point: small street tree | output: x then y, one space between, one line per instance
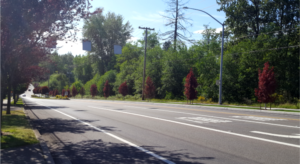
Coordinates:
63 92
149 89
44 90
123 89
190 86
93 90
82 92
266 85
74 91
69 93
106 89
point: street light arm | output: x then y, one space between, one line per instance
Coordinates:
205 13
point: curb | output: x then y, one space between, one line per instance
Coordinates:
194 106
46 153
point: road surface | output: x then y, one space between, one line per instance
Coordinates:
93 131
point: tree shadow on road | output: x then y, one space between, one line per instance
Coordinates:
97 151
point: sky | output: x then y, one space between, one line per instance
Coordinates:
148 14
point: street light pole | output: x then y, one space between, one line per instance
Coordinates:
221 62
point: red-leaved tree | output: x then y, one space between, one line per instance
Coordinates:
74 91
93 90
149 89
44 90
82 92
266 85
69 93
106 89
123 89
63 92
190 86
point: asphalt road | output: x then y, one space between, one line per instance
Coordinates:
91 131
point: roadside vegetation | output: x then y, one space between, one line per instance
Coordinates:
16 129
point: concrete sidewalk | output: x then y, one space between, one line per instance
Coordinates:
31 154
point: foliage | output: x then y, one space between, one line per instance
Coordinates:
63 92
106 89
93 90
44 90
82 91
266 85
109 76
88 84
104 31
123 89
74 91
190 86
149 89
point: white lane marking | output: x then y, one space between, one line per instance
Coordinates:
227 118
135 107
118 138
277 135
202 127
202 120
258 118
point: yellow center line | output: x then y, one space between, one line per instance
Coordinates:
198 110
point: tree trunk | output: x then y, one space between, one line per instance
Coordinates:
259 106
14 96
8 97
175 30
1 103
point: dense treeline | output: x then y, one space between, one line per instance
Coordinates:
249 43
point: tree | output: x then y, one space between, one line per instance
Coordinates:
123 89
266 85
190 86
44 90
149 89
176 20
74 91
106 89
82 92
28 32
69 93
63 92
93 90
104 31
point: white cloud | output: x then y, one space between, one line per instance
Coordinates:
218 30
74 47
133 39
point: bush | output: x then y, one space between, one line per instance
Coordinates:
34 96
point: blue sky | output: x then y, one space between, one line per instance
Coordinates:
148 14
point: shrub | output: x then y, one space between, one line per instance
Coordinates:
93 90
123 89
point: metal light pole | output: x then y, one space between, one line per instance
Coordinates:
221 63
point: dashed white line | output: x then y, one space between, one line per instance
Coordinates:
118 138
201 127
257 122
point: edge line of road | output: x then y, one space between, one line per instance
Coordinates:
206 128
116 137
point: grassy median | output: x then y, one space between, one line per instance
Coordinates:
16 129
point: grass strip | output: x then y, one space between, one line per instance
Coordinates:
17 130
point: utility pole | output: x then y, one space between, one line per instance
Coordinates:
145 28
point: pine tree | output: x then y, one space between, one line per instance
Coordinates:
266 85
149 89
106 89
190 86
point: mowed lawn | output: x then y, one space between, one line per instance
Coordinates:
16 128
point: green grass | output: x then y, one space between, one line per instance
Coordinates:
19 129
19 103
